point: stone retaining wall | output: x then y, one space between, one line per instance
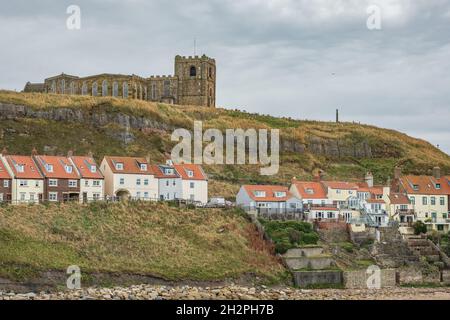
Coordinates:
308 278
358 279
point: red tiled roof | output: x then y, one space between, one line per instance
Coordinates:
59 167
399 198
84 164
197 171
30 169
3 172
340 185
317 191
270 193
131 165
159 173
426 185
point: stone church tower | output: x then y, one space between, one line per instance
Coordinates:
196 80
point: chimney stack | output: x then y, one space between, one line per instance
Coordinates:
437 173
34 152
369 179
147 158
90 154
397 173
4 152
69 153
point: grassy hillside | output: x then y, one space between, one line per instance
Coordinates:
307 145
138 238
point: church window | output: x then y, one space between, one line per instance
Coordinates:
193 71
63 86
84 89
115 92
104 88
153 91
94 89
167 88
125 90
72 88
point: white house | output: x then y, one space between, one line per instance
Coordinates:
169 182
194 182
376 210
27 181
311 193
268 199
323 213
91 179
129 177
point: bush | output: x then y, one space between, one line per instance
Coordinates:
419 228
283 246
309 238
289 234
294 236
347 246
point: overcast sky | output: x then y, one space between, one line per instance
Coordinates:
298 58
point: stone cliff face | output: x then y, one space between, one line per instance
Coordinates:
335 148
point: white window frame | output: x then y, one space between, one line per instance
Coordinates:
23 183
73 183
5 183
119 166
53 196
53 182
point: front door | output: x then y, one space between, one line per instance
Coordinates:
85 197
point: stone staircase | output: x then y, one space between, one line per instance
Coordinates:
392 251
422 247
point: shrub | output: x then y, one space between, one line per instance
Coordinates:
283 246
309 238
347 246
294 236
419 227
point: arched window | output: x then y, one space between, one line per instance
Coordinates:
145 93
94 89
53 86
84 89
210 72
115 92
135 91
166 88
72 88
62 85
140 91
104 88
193 71
153 91
125 90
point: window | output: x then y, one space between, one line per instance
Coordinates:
413 200
442 201
93 168
20 168
31 196
143 167
23 183
122 181
260 194
84 89
96 183
125 90
174 183
145 93
280 194
424 201
146 195
338 191
167 183
69 169
119 166
309 191
190 173
49 167
62 86
115 92
53 183
86 183
96 196
94 89
73 183
166 88
5 183
22 196
210 72
72 88
145 182
138 182
37 184
53 196
153 91
416 187
53 89
138 194
192 185
104 88
140 91
433 201
438 186
193 71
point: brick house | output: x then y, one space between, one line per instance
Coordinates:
91 179
61 179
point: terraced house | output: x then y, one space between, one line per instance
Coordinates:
129 177
169 181
194 182
5 183
61 179
27 184
429 196
91 179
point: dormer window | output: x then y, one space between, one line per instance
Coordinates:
119 166
190 173
260 194
20 168
309 191
49 167
280 194
416 187
168 171
93 168
143 167
68 169
438 186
